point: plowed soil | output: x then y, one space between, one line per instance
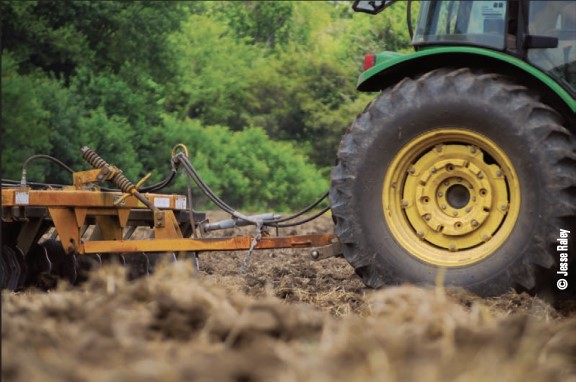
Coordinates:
287 318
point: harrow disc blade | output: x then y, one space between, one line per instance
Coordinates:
87 264
14 268
3 272
39 268
63 265
138 265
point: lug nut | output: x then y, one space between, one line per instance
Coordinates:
440 194
455 213
420 234
474 223
427 217
404 203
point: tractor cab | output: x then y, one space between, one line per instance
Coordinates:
542 33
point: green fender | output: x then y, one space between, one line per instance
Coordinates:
392 67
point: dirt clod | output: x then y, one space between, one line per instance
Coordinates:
288 318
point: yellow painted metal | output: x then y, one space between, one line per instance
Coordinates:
85 198
166 225
82 178
67 226
239 243
180 147
420 204
71 209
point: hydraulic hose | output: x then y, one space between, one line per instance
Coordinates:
182 159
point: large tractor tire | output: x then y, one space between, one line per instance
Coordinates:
456 176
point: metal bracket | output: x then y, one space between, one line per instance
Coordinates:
327 251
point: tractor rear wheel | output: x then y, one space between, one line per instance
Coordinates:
461 171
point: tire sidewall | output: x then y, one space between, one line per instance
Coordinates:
505 129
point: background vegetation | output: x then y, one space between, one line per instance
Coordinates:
260 91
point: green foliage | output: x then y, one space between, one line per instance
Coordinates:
266 23
24 120
246 168
214 72
275 80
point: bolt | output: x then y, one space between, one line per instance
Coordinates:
420 234
455 213
433 170
446 182
473 198
439 148
315 255
394 185
404 203
474 223
473 149
486 237
412 170
440 194
468 209
480 175
498 173
452 247
443 206
459 179
427 217
504 207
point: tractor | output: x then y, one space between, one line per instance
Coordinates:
463 169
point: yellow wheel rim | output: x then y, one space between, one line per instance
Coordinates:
451 197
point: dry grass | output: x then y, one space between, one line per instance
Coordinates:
287 319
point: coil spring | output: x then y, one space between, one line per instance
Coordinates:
97 162
121 181
93 158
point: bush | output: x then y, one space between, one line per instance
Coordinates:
247 169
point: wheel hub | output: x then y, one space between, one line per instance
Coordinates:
449 201
454 192
457 196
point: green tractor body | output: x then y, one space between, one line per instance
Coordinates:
463 169
540 48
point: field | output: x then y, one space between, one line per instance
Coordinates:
287 318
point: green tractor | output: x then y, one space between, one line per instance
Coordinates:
463 168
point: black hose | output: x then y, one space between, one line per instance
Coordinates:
48 157
206 190
12 183
299 222
303 211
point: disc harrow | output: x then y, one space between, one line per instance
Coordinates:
55 232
